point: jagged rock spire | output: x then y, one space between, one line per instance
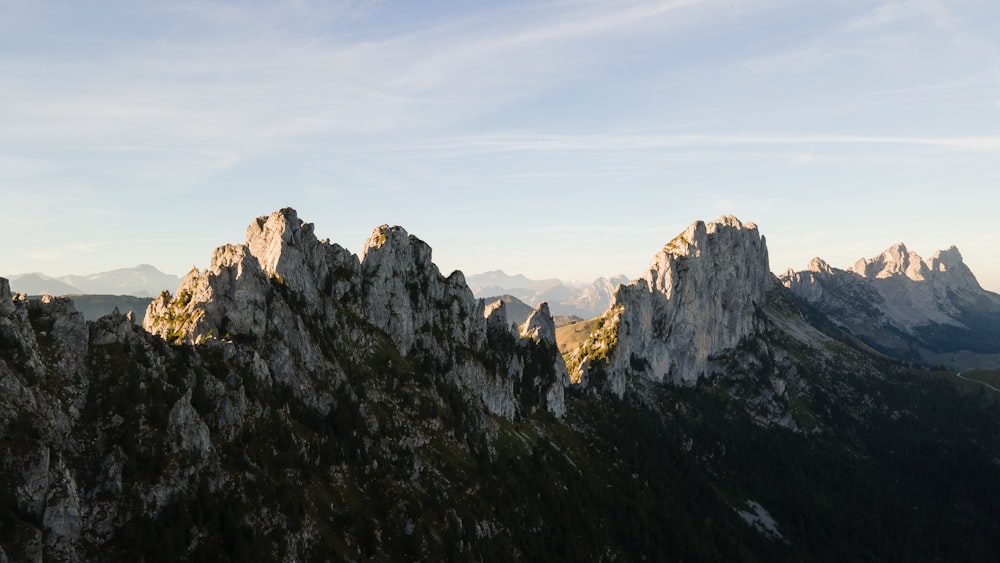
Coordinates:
539 325
540 328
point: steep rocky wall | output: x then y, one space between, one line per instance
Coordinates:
698 298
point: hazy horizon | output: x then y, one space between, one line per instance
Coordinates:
545 274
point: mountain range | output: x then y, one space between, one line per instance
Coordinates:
297 401
143 280
584 300
930 311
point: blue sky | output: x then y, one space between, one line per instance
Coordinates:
556 139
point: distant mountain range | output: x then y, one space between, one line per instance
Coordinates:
928 311
565 298
143 280
518 311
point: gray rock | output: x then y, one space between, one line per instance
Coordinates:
540 328
539 325
6 302
188 430
61 520
283 280
697 299
897 289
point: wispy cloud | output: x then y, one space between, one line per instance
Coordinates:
279 85
640 142
885 13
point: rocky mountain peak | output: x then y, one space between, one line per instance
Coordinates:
404 292
949 266
723 243
819 266
944 270
272 238
287 249
697 298
396 240
540 329
894 261
897 292
496 317
944 260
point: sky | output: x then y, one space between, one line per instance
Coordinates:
565 138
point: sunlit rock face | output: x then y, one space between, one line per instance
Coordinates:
896 288
927 311
698 298
283 285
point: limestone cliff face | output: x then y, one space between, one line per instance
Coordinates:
698 298
284 290
406 296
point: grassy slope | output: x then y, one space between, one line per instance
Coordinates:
571 336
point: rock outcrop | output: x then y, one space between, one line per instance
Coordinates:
405 295
541 329
6 299
284 287
698 298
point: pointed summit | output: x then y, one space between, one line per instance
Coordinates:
287 249
269 236
819 266
894 261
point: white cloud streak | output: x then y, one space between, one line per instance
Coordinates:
255 92
643 142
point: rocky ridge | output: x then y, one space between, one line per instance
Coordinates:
394 286
902 304
282 328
